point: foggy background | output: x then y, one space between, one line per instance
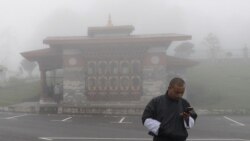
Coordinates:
24 24
214 85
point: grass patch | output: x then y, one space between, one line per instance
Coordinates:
221 84
19 90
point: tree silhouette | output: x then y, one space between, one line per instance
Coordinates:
28 66
245 52
229 54
213 44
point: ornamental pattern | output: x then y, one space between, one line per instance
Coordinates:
113 77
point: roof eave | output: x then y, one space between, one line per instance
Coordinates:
113 40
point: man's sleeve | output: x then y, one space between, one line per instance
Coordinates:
152 125
148 118
189 123
149 111
194 115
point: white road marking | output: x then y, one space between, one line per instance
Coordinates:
66 119
241 124
16 116
47 139
131 139
63 120
121 121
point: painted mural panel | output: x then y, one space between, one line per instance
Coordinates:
113 67
154 74
74 86
73 80
114 78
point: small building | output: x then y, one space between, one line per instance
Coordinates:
109 64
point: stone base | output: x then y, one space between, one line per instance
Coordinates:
112 108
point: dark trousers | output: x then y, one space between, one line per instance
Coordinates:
57 98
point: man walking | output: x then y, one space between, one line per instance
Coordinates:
168 116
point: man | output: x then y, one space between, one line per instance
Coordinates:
57 93
167 117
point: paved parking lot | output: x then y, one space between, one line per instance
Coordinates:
35 127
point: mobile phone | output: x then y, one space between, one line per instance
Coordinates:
188 109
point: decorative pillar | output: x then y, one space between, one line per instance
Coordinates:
43 83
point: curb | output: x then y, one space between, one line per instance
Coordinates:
112 111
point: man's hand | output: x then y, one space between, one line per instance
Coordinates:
185 115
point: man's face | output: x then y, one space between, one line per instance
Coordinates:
176 91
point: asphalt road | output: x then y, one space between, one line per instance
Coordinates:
35 127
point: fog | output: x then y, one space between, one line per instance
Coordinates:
217 84
24 24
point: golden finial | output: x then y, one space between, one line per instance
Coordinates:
109 21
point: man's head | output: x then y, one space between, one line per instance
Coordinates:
176 88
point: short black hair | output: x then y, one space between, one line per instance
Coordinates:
176 81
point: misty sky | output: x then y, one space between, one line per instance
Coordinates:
25 23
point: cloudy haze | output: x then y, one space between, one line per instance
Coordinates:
25 23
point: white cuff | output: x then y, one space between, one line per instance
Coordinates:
152 125
191 123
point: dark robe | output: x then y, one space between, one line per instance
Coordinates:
167 112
